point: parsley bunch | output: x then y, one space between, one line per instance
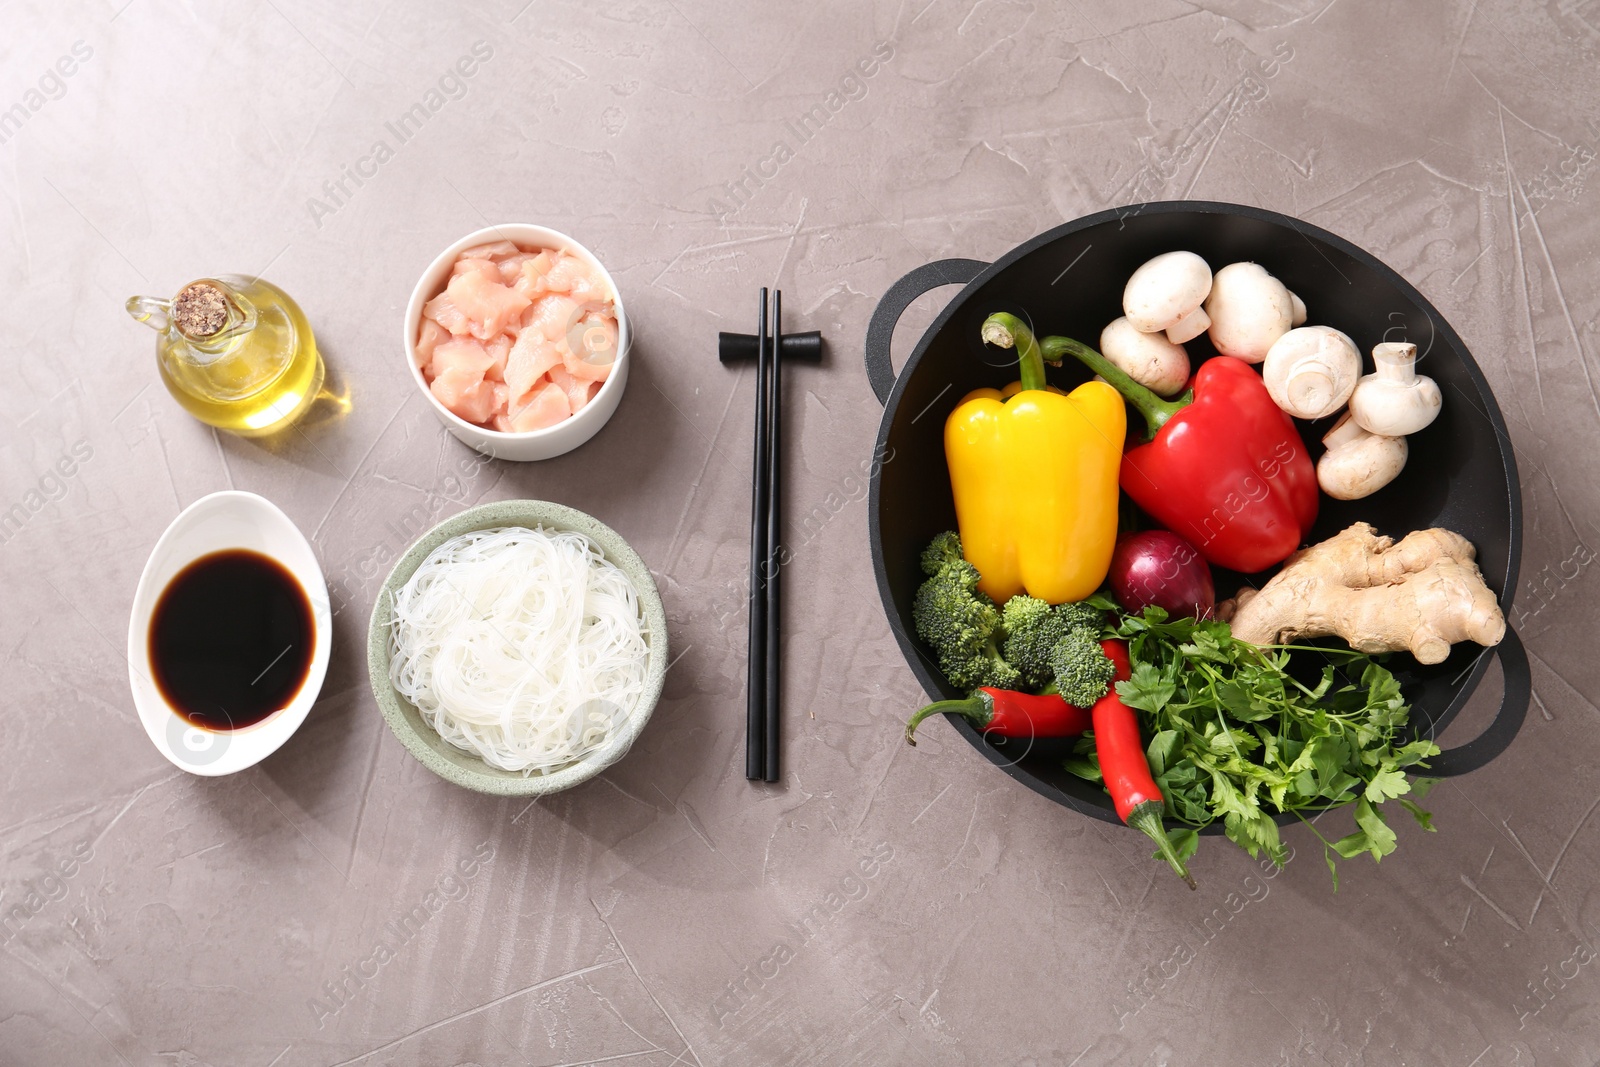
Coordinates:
1234 735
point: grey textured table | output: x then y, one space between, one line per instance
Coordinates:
882 905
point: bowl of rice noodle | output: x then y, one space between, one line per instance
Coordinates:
518 648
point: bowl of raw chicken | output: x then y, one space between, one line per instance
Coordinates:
517 336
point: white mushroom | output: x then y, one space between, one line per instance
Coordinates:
1395 400
1297 317
1311 371
1358 463
1167 293
1249 309
1148 358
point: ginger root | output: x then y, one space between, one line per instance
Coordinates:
1423 594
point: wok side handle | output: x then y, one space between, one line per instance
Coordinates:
1503 730
880 331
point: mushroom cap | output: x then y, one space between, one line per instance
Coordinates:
1148 358
1311 371
1394 408
1298 315
1165 290
1249 310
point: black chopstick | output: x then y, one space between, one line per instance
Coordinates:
774 655
756 679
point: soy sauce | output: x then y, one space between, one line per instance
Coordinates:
231 639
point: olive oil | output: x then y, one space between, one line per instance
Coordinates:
237 353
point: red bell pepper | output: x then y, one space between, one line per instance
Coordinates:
1224 466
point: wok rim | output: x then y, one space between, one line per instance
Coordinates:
926 673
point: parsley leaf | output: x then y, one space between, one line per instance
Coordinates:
1184 842
1162 750
1387 784
1418 812
1149 689
1084 769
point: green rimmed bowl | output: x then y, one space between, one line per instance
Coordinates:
461 767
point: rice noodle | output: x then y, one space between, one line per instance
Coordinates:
524 647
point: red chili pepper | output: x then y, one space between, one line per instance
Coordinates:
1010 714
1224 466
1123 764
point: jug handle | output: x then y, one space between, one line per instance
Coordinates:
880 331
153 312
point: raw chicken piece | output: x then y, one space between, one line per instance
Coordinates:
553 316
583 370
596 340
530 358
469 397
531 282
492 250
573 276
443 310
579 391
501 423
511 267
428 336
462 357
548 406
488 305
481 266
576 389
499 350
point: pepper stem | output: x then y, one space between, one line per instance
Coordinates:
1155 410
977 709
1005 330
1146 818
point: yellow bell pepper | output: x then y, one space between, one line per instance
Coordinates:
1034 475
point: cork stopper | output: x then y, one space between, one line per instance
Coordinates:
200 310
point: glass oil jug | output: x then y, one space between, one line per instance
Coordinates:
237 353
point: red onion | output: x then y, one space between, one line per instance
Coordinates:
1159 567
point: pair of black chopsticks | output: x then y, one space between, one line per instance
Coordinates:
762 701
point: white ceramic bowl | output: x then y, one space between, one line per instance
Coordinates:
535 444
211 524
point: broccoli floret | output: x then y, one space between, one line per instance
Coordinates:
1034 629
1043 645
1023 612
1081 614
1082 672
963 627
945 549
